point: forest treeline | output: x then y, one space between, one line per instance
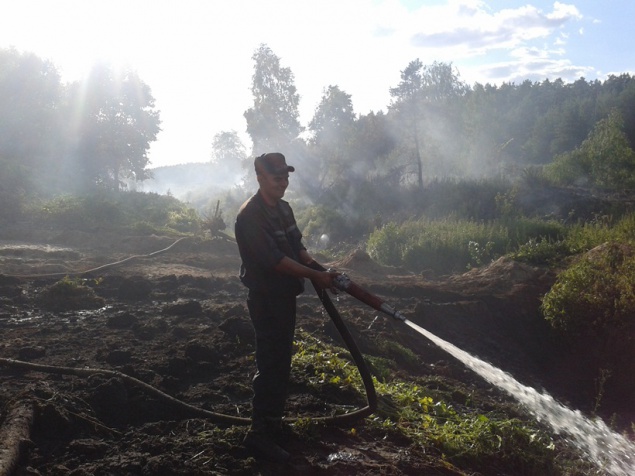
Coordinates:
94 134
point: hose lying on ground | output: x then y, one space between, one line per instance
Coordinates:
86 372
194 411
99 268
219 417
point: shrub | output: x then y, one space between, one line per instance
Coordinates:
539 242
316 221
596 295
69 294
451 245
624 230
542 251
386 245
184 219
66 211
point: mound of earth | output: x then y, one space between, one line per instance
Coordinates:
362 264
172 316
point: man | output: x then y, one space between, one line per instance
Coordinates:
274 265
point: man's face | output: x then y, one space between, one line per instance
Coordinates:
272 186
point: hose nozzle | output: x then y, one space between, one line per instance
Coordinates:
344 283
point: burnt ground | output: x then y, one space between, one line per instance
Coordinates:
177 321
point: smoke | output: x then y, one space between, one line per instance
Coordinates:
194 183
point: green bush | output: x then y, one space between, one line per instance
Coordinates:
583 236
386 244
596 295
450 245
66 211
316 221
542 251
185 219
69 294
143 228
539 242
522 229
624 230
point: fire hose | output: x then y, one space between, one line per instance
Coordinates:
344 283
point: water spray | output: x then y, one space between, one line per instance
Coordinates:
610 451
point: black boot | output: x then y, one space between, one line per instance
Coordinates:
280 430
260 439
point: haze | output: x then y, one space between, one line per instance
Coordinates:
196 55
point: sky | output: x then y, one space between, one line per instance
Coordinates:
196 55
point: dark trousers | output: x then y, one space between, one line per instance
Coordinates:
273 318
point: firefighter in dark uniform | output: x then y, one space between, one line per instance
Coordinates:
274 265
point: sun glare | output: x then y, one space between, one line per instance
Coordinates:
90 33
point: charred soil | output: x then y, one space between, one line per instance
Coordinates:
177 321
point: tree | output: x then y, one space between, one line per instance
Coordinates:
442 128
272 121
228 153
333 116
30 94
611 157
331 127
115 122
604 159
427 102
407 97
374 136
440 82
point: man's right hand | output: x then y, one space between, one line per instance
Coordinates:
324 280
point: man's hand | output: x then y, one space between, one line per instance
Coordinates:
324 280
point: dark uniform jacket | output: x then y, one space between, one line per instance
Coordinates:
265 235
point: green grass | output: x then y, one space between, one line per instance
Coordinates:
453 245
465 435
576 239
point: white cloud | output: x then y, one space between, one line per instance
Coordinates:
476 30
563 11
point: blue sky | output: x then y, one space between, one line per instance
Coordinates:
196 54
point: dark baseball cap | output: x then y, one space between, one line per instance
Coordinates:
273 163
